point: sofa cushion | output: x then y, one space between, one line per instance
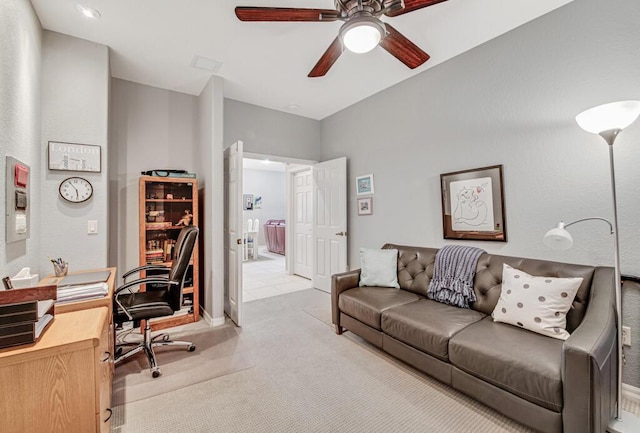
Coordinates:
367 303
516 360
427 325
379 268
487 283
538 304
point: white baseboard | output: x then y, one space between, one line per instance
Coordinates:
631 392
218 321
211 321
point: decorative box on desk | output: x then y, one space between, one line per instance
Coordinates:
167 204
25 314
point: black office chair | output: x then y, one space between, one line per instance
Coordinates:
162 299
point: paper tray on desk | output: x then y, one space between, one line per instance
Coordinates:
28 294
21 323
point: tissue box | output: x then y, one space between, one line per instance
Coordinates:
30 281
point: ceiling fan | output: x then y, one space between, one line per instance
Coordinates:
361 32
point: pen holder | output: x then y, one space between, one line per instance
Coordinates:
61 270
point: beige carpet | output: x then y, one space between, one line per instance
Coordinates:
308 379
218 352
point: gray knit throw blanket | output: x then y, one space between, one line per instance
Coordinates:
452 281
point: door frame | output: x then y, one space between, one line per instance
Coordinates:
303 163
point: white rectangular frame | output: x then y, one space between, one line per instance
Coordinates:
74 157
364 184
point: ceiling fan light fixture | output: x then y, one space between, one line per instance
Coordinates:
362 34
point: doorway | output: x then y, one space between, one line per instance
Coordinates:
267 252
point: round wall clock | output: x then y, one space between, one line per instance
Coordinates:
76 189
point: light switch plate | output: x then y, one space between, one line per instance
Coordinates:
92 227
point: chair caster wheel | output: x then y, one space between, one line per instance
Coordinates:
156 373
192 348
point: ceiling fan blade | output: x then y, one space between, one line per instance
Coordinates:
412 5
328 59
402 48
285 14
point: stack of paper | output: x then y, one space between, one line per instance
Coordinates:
41 324
81 292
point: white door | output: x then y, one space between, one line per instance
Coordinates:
233 232
303 224
330 223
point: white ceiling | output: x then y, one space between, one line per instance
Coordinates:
266 63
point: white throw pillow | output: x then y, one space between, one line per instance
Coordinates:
379 268
539 304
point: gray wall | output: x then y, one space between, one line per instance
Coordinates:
270 185
20 84
150 128
154 128
511 101
271 132
75 108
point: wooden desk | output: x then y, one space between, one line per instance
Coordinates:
83 305
62 383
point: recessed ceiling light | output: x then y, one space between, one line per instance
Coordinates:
292 107
206 64
88 12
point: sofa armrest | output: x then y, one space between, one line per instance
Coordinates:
589 367
340 283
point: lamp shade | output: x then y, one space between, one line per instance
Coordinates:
362 34
607 117
558 238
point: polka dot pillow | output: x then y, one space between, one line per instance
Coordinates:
539 304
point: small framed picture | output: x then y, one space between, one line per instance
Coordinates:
364 184
247 202
365 206
74 157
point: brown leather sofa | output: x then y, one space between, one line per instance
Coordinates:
548 384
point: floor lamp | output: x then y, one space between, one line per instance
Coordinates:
608 121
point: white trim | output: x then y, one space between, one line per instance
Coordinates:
275 158
205 316
631 392
218 321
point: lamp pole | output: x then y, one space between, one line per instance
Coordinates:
610 137
608 120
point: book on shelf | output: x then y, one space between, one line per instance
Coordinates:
159 225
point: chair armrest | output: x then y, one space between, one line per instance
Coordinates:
590 361
340 283
146 268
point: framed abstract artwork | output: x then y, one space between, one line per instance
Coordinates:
473 204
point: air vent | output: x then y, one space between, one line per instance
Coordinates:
206 64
